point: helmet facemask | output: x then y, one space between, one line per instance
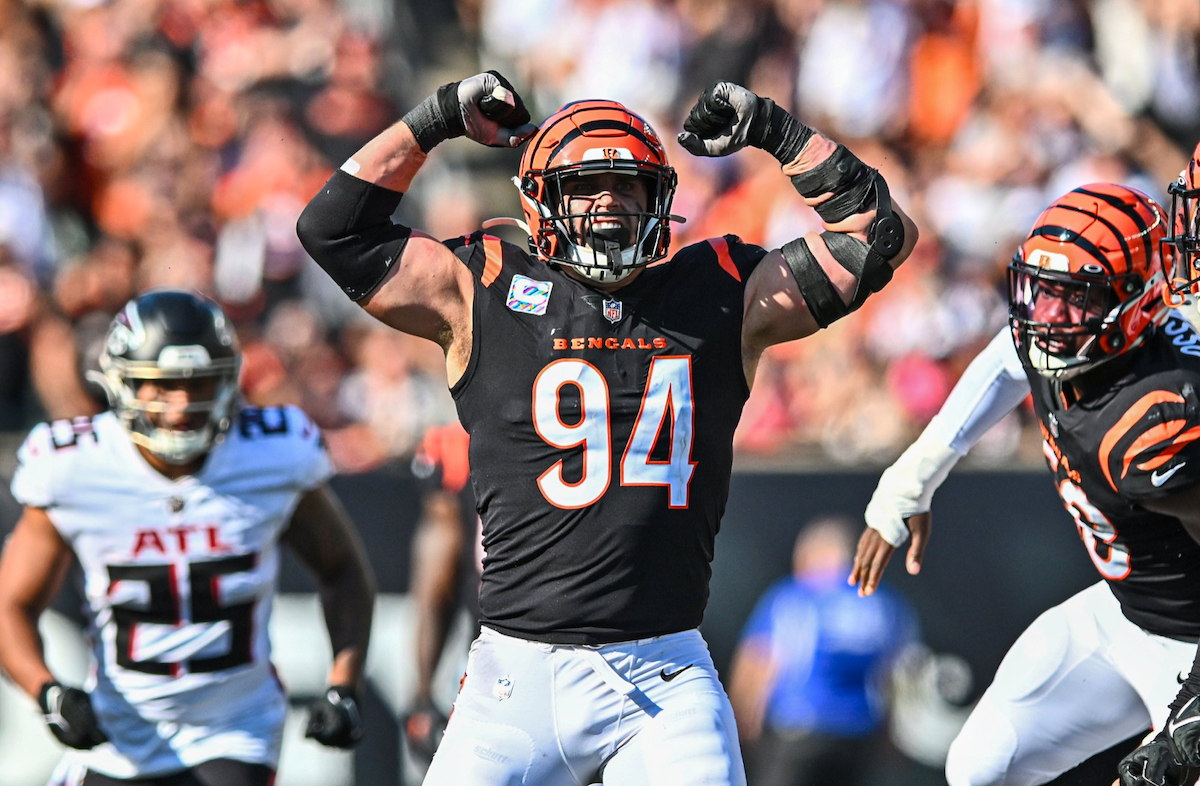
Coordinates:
124 380
1184 239
1066 324
165 345
605 246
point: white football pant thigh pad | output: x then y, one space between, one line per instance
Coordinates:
689 745
1058 697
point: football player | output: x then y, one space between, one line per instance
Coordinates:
600 394
173 504
1115 377
1173 755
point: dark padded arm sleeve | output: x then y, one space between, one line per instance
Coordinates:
347 229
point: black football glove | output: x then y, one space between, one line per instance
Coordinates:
1183 732
69 714
423 730
334 719
1153 764
485 108
727 117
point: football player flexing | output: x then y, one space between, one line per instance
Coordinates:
173 504
1115 377
601 395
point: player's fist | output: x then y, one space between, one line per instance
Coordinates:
334 719
1153 763
485 108
725 118
493 114
69 714
423 730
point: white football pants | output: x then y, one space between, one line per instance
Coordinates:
635 713
1079 680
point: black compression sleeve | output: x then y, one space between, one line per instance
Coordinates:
347 229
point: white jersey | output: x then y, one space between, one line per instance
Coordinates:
179 577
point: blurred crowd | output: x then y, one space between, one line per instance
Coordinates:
150 143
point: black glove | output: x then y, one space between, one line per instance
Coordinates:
1183 732
334 720
69 714
727 117
1154 764
485 108
423 729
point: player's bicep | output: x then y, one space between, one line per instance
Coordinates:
773 310
34 563
427 294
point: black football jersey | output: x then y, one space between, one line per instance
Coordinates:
601 438
1136 440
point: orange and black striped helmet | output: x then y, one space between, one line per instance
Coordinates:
1088 282
1184 228
583 138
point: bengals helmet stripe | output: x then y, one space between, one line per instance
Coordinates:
600 125
1184 228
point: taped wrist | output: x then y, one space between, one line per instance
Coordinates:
775 130
907 486
347 229
1188 690
437 118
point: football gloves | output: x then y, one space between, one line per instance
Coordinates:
69 714
334 720
1183 732
485 108
728 117
1153 764
423 730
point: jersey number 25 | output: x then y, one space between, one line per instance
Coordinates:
668 392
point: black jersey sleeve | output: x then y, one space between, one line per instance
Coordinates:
736 258
1153 449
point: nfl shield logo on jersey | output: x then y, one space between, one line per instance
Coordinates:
612 310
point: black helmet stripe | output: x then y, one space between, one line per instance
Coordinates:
1132 213
1111 228
597 125
1068 235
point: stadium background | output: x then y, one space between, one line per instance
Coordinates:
173 143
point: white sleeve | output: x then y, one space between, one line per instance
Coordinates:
991 387
33 482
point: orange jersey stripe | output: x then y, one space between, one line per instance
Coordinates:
1154 436
1179 444
493 260
1127 421
721 246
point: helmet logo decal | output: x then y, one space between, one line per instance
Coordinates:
612 310
607 154
174 356
527 296
1048 260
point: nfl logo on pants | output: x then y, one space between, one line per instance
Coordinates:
612 310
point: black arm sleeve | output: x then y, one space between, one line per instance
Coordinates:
347 229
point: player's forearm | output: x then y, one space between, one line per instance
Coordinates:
21 652
348 602
390 160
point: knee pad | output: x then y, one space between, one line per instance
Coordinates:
983 751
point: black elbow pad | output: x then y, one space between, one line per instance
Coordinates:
347 229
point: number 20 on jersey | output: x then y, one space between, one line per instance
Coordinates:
668 394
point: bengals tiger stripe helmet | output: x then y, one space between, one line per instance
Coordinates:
587 137
1184 228
1089 281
